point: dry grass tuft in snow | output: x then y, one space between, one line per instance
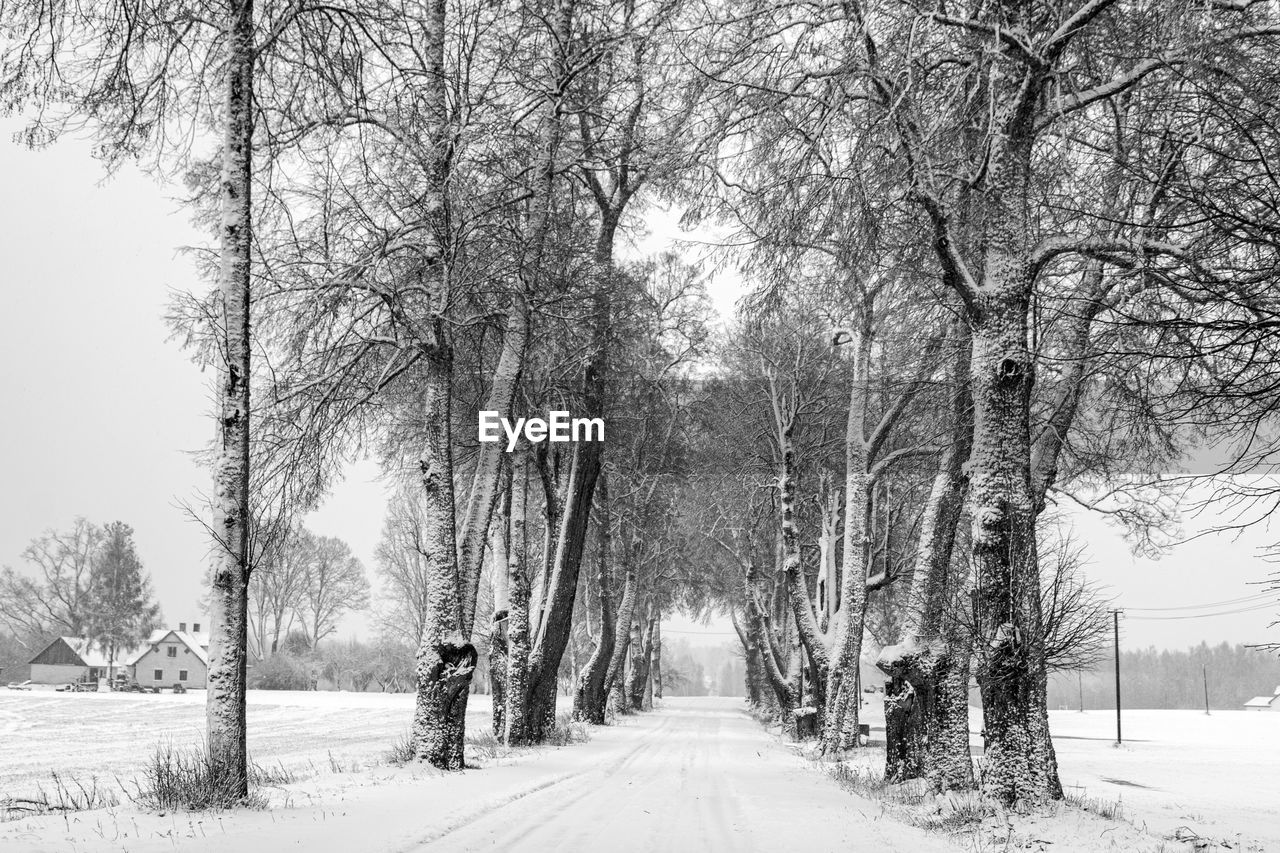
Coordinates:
1081 824
401 751
1101 806
568 731
176 779
66 794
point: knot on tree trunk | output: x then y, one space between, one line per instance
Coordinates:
451 672
432 476
1010 372
992 523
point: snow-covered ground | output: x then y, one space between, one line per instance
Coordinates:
697 775
1217 775
110 735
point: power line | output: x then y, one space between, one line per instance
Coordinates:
1268 606
1269 596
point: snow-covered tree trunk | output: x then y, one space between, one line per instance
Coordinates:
655 657
1019 764
810 635
500 564
484 488
229 602
783 691
517 677
926 695
446 660
754 677
840 726
586 460
641 649
614 682
590 701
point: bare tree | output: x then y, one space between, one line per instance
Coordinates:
333 584
55 600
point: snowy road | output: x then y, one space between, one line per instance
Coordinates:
697 775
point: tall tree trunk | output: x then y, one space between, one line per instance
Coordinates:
655 656
810 635
446 661
614 676
780 686
484 487
1019 765
840 726
641 648
229 603
926 696
557 621
501 607
754 676
592 696
517 681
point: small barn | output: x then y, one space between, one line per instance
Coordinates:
70 659
1264 703
173 657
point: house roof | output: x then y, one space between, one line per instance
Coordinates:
197 643
90 653
1260 702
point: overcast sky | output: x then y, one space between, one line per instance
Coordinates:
101 410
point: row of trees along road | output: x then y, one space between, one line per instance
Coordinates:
1000 256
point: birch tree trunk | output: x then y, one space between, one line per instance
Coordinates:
840 729
655 657
614 677
484 487
225 704
446 661
557 621
641 648
517 687
926 696
592 696
810 635
754 677
500 562
1019 765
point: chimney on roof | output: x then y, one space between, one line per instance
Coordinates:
195 627
182 626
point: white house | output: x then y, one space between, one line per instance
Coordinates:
1264 703
65 660
173 657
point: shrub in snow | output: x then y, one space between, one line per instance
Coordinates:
184 779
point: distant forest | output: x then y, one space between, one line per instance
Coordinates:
1164 679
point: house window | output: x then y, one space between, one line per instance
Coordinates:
172 651
182 675
159 675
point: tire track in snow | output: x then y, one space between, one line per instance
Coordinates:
557 808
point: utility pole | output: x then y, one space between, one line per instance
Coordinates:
1115 616
1204 671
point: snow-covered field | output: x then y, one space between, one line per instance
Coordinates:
1217 775
109 735
698 775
